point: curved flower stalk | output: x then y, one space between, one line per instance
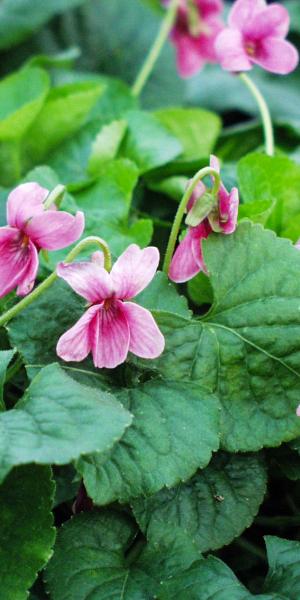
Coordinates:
197 26
112 325
220 217
256 34
32 227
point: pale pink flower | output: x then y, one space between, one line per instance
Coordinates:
112 326
297 245
188 259
31 228
298 411
195 33
256 35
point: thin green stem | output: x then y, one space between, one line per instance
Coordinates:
55 197
264 111
40 289
89 241
182 207
156 49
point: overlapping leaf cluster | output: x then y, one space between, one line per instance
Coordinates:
173 455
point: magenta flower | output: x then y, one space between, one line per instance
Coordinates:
29 229
194 34
188 259
112 326
256 35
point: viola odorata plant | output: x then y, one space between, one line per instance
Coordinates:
32 225
112 325
208 211
150 419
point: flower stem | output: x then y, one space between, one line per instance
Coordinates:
89 241
264 111
181 210
156 49
40 289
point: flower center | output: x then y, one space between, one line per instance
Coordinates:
107 303
25 241
250 48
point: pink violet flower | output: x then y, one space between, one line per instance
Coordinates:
197 25
298 411
188 259
112 326
256 35
31 228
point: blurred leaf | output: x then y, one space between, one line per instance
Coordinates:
20 18
221 91
258 211
107 203
196 129
106 145
63 113
174 187
275 180
148 143
21 98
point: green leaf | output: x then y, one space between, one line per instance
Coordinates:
213 508
174 187
5 358
284 573
106 205
148 143
89 560
258 211
94 557
196 129
20 18
26 530
200 290
175 431
208 579
116 100
162 295
22 95
57 420
275 180
21 98
64 112
106 145
246 349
